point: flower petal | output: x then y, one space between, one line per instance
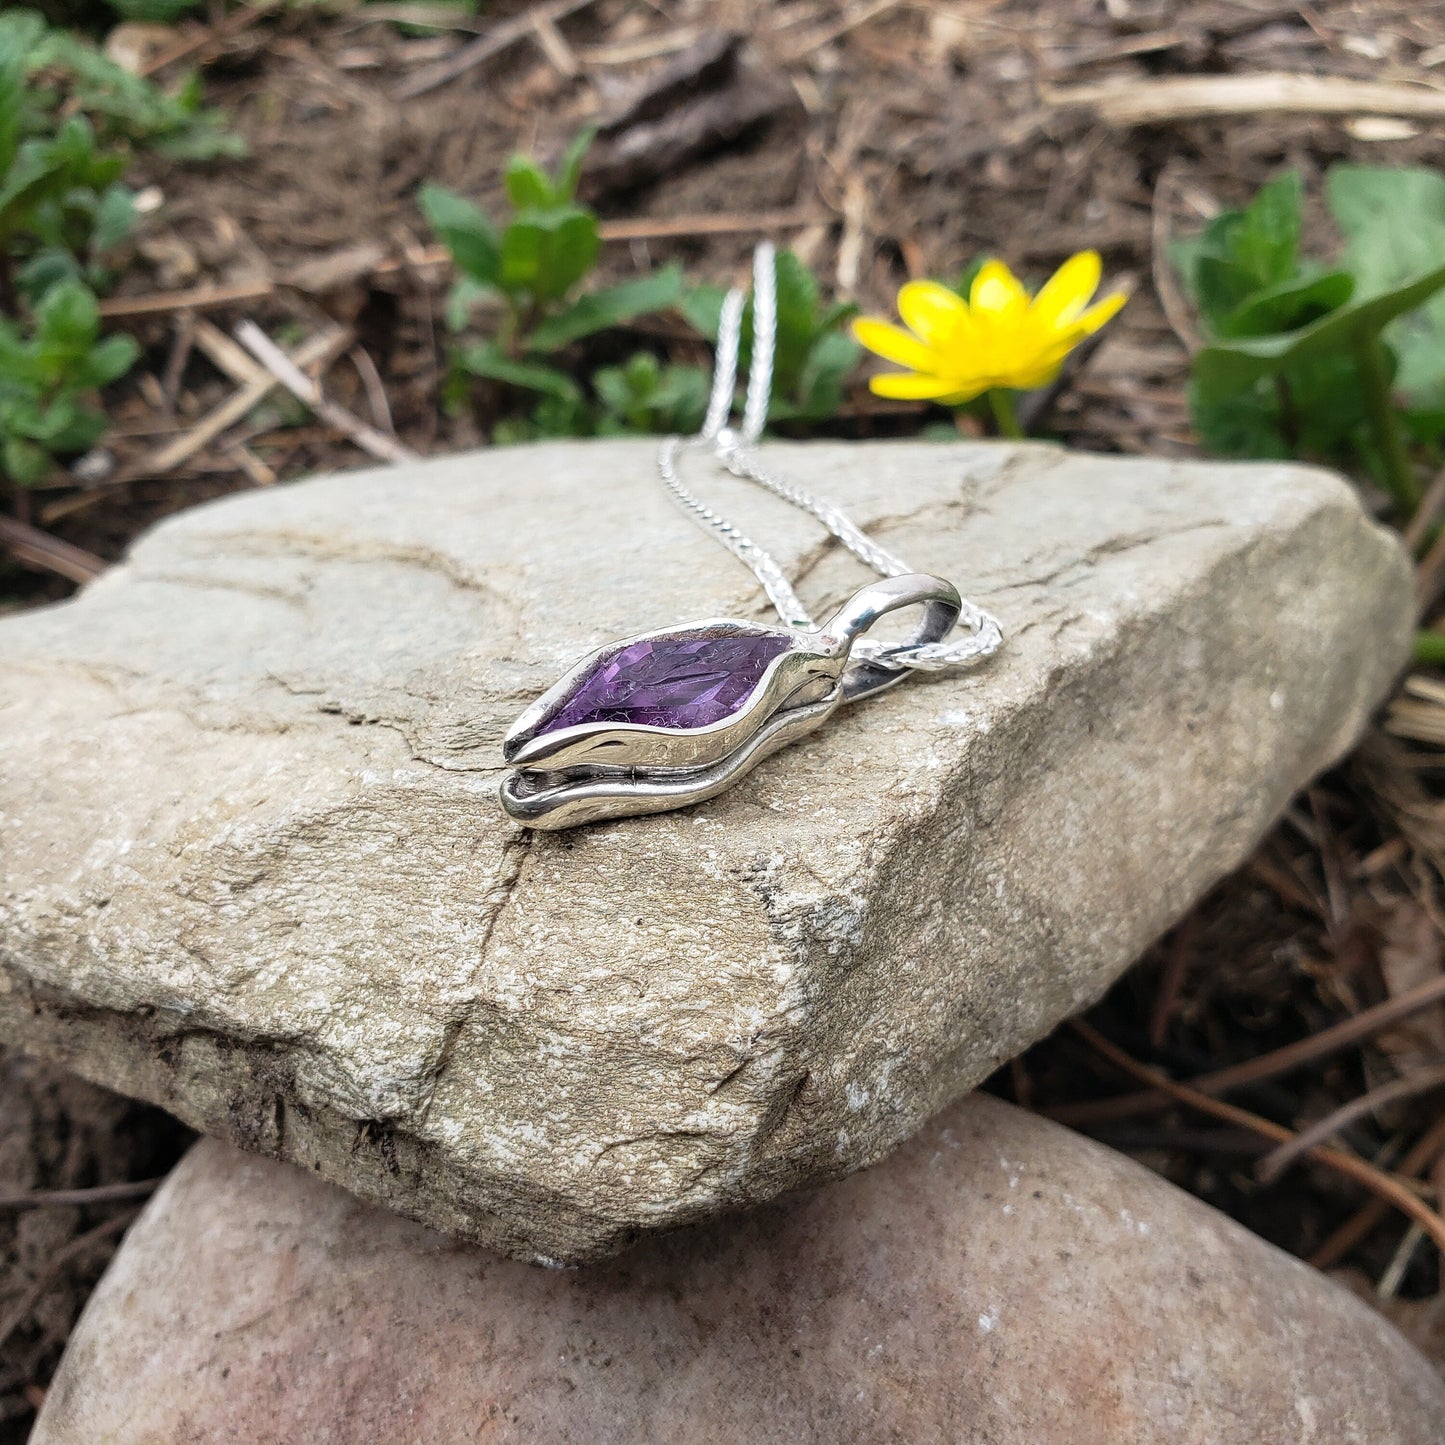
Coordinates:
907 386
1068 290
932 311
996 292
1041 374
1100 315
892 343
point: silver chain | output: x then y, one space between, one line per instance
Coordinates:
734 450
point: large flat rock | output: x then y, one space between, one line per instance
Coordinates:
1000 1281
251 866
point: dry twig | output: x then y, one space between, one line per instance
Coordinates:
499 38
56 1267
306 391
1375 1180
199 298
1129 101
1422 1081
317 351
1349 1031
554 46
1426 514
360 263
39 549
224 29
1426 1150
832 30
96 1194
1176 309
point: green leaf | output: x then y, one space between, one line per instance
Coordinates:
67 318
797 322
813 355
1242 252
109 361
625 389
553 416
1309 408
127 106
1313 408
1240 423
545 253
154 12
645 397
465 232
1430 649
46 268
571 255
29 416
464 294
48 425
487 359
527 186
1289 305
26 464
12 348
1393 220
830 361
702 307
114 218
77 428
569 169
202 138
521 257
1228 366
612 306
681 398
42 169
1426 424
18 34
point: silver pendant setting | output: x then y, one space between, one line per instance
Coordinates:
671 717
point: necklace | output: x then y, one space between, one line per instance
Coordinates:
675 716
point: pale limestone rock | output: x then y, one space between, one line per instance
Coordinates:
251 866
999 1281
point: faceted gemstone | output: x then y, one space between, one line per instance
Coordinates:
671 682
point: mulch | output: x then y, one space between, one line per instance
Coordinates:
881 139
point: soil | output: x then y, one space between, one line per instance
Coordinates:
901 139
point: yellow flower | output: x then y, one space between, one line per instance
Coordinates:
1000 338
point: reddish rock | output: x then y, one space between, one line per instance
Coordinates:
1000 1281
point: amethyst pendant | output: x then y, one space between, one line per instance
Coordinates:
688 680
675 716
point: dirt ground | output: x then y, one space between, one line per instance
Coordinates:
881 139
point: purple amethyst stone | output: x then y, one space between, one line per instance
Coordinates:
671 682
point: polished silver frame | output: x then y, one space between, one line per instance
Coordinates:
595 771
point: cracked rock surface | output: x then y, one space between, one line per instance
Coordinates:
251 865
999 1281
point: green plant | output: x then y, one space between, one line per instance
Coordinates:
642 397
66 75
813 351
646 396
153 12
49 372
1306 359
533 268
62 207
61 201
1393 220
